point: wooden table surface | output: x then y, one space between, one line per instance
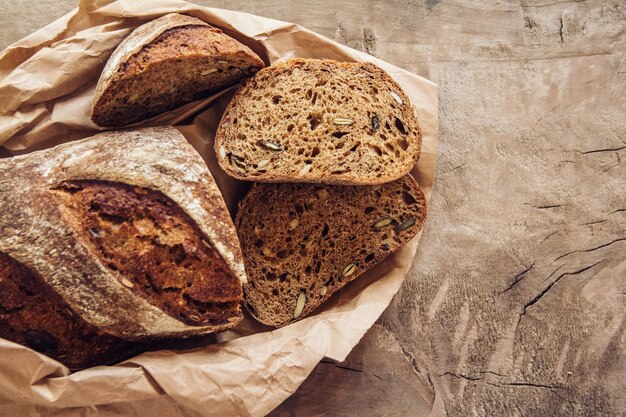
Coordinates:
515 303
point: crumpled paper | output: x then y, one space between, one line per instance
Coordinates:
47 81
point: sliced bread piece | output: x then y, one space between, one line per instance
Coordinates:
303 242
309 120
164 64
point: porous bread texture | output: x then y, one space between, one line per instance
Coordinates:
155 249
309 120
302 242
33 315
187 61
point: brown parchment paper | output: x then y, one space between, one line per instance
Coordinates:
47 81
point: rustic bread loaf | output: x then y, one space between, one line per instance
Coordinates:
303 242
165 63
319 121
129 229
33 315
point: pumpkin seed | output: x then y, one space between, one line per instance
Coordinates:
405 224
375 122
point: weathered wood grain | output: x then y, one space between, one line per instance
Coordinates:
515 304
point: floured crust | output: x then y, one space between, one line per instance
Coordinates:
34 232
148 33
134 42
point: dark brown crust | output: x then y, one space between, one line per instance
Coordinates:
157 249
301 237
160 67
31 314
226 131
36 229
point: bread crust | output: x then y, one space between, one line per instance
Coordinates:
35 231
144 36
349 178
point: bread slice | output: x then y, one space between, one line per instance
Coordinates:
309 120
303 242
165 63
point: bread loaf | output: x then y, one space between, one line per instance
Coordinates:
303 242
33 315
165 63
129 229
319 121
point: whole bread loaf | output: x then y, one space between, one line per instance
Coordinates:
129 229
303 242
308 120
165 63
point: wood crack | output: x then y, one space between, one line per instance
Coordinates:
552 284
549 236
548 206
590 250
518 278
500 384
550 4
603 150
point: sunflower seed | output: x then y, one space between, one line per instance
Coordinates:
127 283
222 152
262 163
237 160
348 270
272 146
375 122
223 62
293 224
299 305
405 224
382 223
305 169
415 111
396 97
208 71
323 290
267 251
342 121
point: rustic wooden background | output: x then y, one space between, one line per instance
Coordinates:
515 304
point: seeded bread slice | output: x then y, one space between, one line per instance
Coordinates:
165 63
303 242
309 120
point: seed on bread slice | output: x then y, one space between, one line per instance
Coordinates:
164 64
308 120
302 242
